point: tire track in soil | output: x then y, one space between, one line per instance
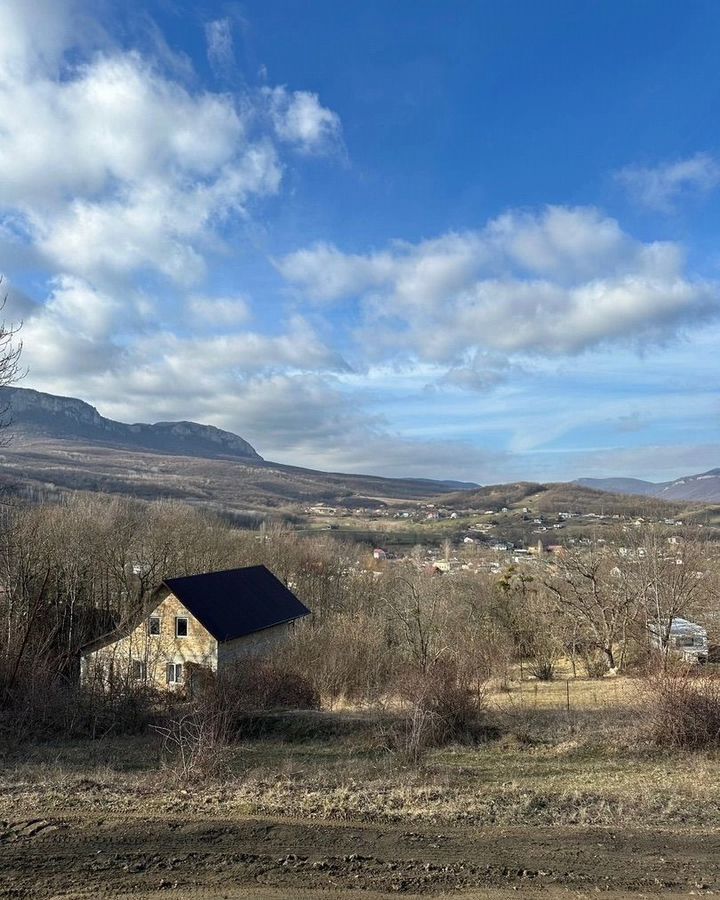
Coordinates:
113 856
25 830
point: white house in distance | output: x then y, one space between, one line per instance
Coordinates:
687 640
207 621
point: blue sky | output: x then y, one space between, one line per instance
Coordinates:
467 239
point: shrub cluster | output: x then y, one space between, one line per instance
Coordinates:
439 706
683 711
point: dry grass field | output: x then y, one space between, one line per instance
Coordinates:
560 804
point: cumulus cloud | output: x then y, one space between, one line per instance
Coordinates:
299 418
113 119
299 118
295 416
183 360
555 282
109 165
306 417
116 169
81 331
284 392
356 447
154 225
663 186
73 332
51 23
276 390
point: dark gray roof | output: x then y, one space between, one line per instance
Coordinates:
237 602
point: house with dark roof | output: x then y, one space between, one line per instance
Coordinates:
208 621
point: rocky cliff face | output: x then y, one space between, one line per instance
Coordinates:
33 415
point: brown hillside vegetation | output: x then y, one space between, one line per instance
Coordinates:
44 468
563 496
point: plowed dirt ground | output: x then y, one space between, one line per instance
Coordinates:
83 855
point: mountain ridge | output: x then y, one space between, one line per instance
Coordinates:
36 414
62 443
701 488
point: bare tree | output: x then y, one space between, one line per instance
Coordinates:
418 608
10 350
594 588
672 577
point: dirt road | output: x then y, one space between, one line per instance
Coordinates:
85 854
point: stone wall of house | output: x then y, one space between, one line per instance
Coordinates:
258 644
117 662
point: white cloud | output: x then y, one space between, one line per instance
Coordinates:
286 393
154 225
294 416
218 35
212 312
184 361
323 272
72 333
50 24
661 187
109 165
299 119
556 282
80 331
112 120
117 169
564 243
352 444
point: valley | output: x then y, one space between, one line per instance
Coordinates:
62 445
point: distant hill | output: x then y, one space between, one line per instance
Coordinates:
63 444
559 497
619 485
703 488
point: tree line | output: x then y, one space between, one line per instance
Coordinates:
73 570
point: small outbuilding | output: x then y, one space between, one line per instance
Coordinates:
208 621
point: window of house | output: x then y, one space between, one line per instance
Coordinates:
138 671
181 626
154 625
174 673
